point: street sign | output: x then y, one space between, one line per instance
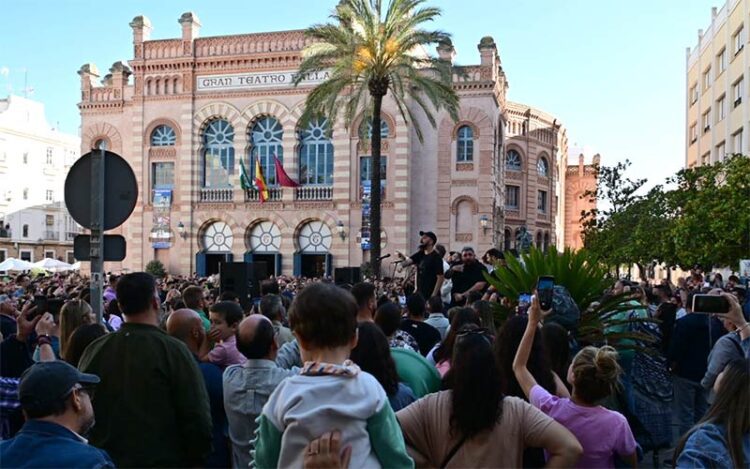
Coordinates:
120 191
114 248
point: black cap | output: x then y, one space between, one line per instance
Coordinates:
46 382
430 234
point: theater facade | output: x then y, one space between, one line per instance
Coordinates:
188 112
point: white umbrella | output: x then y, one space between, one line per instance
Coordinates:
76 266
53 265
15 265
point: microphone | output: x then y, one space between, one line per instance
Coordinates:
383 257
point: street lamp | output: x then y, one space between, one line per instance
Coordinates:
484 222
181 230
340 229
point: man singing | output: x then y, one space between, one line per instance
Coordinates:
429 265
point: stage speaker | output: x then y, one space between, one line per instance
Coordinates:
243 279
350 275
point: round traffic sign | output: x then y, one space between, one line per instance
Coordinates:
120 191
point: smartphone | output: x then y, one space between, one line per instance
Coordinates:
41 304
544 288
54 305
524 299
709 304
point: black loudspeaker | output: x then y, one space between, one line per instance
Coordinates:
344 275
243 279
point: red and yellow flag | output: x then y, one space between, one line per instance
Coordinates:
260 182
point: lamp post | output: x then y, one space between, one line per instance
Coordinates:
181 230
340 229
484 223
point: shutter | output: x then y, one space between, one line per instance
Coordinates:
277 264
248 257
200 263
297 264
329 263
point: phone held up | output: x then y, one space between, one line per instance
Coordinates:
544 288
710 304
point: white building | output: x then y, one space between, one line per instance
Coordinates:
34 160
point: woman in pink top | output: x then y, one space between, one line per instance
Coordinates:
593 374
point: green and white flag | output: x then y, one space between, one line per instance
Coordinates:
244 178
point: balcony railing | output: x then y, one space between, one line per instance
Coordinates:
274 193
51 235
217 195
315 193
70 235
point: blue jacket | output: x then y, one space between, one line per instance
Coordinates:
46 444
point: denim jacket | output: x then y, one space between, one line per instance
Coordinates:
47 444
707 447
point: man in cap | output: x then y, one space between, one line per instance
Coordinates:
56 400
429 265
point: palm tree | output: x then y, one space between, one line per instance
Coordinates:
371 49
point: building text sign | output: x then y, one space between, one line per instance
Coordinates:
250 81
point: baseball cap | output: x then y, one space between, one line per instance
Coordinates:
46 382
430 234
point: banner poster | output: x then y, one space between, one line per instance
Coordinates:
161 233
745 268
365 231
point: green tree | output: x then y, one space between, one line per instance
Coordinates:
156 268
371 49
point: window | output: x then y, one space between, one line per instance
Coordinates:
707 121
511 197
721 108
26 255
384 129
737 91
218 153
739 40
49 220
48 196
163 136
513 160
162 175
49 155
542 167
25 158
101 144
25 231
49 254
465 144
365 173
316 154
693 133
707 79
25 194
693 95
265 138
542 202
721 151
706 158
3 255
721 61
506 240
737 142
69 257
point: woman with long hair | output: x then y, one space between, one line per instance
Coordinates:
80 339
473 424
441 354
373 355
722 437
73 314
594 373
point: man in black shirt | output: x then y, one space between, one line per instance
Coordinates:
429 265
467 277
425 335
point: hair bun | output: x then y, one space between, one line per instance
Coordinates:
606 364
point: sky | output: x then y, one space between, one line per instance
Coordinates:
612 71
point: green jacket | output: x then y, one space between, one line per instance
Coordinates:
151 407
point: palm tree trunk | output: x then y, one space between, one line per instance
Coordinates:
375 195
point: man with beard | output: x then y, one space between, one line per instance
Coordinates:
468 276
56 400
429 265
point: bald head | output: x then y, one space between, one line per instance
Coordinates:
185 325
255 338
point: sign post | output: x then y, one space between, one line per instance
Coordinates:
96 255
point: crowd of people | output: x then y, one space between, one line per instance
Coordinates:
414 371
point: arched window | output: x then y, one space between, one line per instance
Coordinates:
163 136
507 240
25 231
513 161
539 239
265 138
546 241
542 167
384 129
316 154
464 217
465 144
218 154
101 144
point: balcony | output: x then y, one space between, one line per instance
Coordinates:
217 195
70 235
314 193
274 194
51 235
